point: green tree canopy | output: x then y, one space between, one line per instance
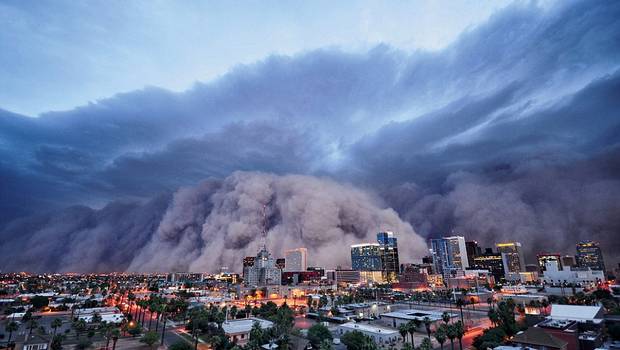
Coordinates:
317 333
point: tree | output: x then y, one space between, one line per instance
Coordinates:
407 346
32 324
451 333
358 341
426 344
326 344
459 330
57 342
459 304
427 325
257 336
11 327
56 323
116 333
440 335
317 333
445 316
80 326
403 330
180 345
150 338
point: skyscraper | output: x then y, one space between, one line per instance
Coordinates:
473 250
512 257
264 270
296 260
366 257
388 249
589 255
449 255
492 262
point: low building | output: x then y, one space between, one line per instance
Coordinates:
396 318
536 338
379 335
580 276
238 331
359 310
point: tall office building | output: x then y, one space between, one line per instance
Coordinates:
449 255
552 258
366 257
281 263
492 262
589 254
473 250
388 249
264 270
248 261
296 260
512 257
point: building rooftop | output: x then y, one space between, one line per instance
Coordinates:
244 325
537 336
412 314
368 328
580 313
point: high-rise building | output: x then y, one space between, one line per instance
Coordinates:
449 255
264 270
473 250
248 261
512 257
296 260
388 249
281 263
552 258
589 254
492 262
366 257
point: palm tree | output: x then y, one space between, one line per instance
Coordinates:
56 323
116 333
427 325
11 327
459 304
459 330
32 324
445 316
152 306
451 333
411 328
440 335
403 330
493 317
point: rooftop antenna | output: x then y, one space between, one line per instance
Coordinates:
264 231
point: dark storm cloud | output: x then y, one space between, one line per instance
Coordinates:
508 132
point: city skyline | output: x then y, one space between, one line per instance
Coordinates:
151 137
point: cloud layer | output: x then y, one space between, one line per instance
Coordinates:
511 132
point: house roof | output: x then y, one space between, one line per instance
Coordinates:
576 312
537 336
244 325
